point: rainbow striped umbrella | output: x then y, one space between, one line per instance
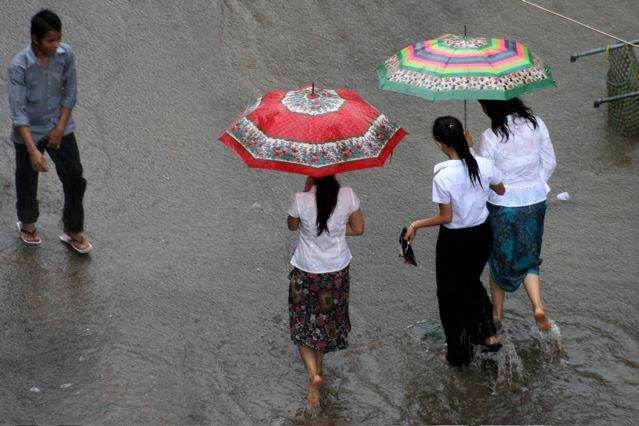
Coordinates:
459 67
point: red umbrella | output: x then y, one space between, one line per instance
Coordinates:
312 132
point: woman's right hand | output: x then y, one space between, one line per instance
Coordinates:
469 138
310 181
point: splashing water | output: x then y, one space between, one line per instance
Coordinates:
549 341
311 412
510 369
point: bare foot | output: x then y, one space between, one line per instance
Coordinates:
492 344
490 341
543 323
313 396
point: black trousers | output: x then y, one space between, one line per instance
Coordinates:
69 169
464 307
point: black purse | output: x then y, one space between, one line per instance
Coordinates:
406 250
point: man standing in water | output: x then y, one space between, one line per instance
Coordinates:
42 93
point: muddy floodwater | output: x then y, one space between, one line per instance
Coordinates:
179 315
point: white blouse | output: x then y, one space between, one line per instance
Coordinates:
452 184
328 252
526 161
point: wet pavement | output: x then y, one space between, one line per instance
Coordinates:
179 315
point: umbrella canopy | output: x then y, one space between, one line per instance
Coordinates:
458 67
312 132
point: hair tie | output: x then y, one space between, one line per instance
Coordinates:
450 126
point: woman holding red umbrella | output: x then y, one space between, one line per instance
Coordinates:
324 214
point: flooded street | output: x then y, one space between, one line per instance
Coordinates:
179 315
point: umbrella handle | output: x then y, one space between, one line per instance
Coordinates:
465 115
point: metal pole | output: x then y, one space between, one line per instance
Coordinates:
578 55
615 98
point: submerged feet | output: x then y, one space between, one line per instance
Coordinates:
498 323
492 344
313 396
543 323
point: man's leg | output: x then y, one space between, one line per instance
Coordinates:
69 169
26 180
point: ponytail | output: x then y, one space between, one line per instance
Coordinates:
327 190
449 131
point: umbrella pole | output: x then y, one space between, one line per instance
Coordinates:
465 115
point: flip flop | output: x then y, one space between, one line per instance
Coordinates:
36 241
67 239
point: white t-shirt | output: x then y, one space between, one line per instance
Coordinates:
328 252
451 184
526 161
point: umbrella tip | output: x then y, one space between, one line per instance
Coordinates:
313 95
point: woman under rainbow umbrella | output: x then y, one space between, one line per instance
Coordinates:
453 67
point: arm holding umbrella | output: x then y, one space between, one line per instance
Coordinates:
310 181
355 225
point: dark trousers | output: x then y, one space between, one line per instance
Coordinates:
464 307
69 169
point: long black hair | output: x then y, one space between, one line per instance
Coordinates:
497 111
327 190
449 131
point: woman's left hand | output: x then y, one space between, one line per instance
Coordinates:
469 138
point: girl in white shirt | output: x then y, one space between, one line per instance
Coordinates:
519 145
319 282
461 186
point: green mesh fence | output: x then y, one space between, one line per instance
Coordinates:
623 77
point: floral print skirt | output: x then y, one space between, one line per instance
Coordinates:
318 309
517 236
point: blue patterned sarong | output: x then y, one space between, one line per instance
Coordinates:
517 234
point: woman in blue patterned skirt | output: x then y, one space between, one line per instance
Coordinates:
519 145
